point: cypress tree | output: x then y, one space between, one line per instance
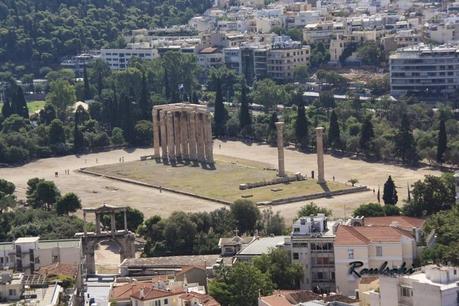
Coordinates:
390 192
442 142
366 135
245 119
18 103
334 138
144 99
221 114
6 108
301 125
78 139
86 88
405 146
272 133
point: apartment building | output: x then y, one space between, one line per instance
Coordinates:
361 249
312 240
119 58
322 31
28 254
210 58
284 56
432 285
423 69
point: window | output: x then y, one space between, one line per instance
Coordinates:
166 301
406 291
350 253
296 256
12 292
379 251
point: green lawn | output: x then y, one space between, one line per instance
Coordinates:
35 106
221 183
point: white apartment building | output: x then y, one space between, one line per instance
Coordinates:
423 69
360 248
30 253
433 285
119 58
312 246
322 31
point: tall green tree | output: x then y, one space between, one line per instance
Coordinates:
431 195
246 214
442 143
245 119
70 202
220 115
61 96
405 146
86 87
278 265
56 132
390 192
366 136
45 195
334 138
301 125
18 102
240 285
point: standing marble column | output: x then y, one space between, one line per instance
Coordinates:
113 224
163 131
208 138
192 139
170 136
177 138
84 223
97 223
156 140
280 148
200 137
184 135
320 154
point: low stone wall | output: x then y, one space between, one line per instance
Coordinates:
315 196
274 181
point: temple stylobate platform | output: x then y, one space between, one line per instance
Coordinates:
182 132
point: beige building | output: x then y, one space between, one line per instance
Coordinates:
360 248
28 254
322 31
282 61
11 286
433 285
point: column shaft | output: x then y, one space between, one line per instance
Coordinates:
170 137
97 223
320 154
200 137
125 221
113 224
192 139
280 148
163 130
208 138
184 135
156 137
177 134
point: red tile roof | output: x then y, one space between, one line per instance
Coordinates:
363 235
59 269
148 293
275 300
204 299
124 292
403 221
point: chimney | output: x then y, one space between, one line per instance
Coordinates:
142 293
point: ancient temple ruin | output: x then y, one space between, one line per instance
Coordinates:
182 132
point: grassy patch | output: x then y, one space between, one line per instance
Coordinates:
222 183
35 106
